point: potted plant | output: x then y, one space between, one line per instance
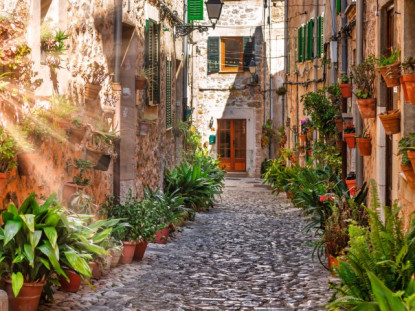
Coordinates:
345 86
141 80
351 182
79 181
76 131
268 133
389 68
61 110
364 76
391 121
406 165
94 76
8 151
282 136
364 143
408 79
281 91
306 124
349 134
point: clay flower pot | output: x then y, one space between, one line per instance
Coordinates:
346 90
409 81
28 298
69 189
162 236
92 91
140 83
140 249
350 139
302 137
351 184
367 108
409 175
27 162
74 281
364 144
116 256
61 123
107 264
76 134
339 124
391 74
391 122
128 250
4 178
293 159
93 155
309 152
411 156
289 195
405 91
95 270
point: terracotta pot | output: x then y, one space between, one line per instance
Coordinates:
128 250
28 298
367 108
61 123
310 132
409 80
303 137
92 91
364 144
309 152
69 189
95 270
409 175
293 159
76 134
140 83
339 124
405 91
289 195
162 236
411 156
140 249
339 144
391 122
391 74
74 281
27 162
332 261
351 184
116 256
350 139
4 178
107 264
93 155
346 90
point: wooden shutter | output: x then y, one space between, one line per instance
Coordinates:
338 6
320 46
299 39
310 39
152 62
195 10
213 54
169 118
249 51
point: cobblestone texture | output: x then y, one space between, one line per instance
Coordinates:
248 253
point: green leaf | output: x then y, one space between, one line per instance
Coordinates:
384 296
29 221
35 238
52 220
78 263
13 210
17 283
30 200
46 249
89 247
45 262
29 253
99 237
11 228
7 216
52 235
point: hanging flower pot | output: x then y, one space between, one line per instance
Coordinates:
76 134
140 83
351 184
310 152
411 156
4 179
28 297
27 162
409 175
103 163
293 159
61 123
74 281
405 91
339 124
93 155
391 74
303 137
128 250
92 91
310 132
365 145
346 89
69 189
391 122
350 139
367 108
162 236
409 81
140 249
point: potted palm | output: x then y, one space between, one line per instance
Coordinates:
79 181
364 143
8 151
408 79
391 121
349 134
389 68
345 86
364 76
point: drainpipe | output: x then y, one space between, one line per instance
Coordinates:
185 57
117 80
271 91
359 60
333 34
315 45
264 62
344 71
285 59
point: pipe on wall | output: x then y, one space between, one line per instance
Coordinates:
333 34
315 44
185 63
285 59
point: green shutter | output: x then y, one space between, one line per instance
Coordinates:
249 50
338 6
321 37
302 42
195 10
152 62
299 38
213 54
169 118
310 39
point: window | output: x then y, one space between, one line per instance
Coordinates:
310 40
301 44
152 62
320 38
230 54
169 118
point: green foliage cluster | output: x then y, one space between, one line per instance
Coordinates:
364 76
389 60
8 150
82 166
406 143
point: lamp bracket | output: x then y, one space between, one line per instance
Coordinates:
184 30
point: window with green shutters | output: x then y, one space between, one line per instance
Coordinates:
152 62
213 55
310 40
338 6
195 10
301 43
320 38
169 117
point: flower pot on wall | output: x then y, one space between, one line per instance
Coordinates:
391 122
365 145
391 74
411 156
350 139
310 132
140 83
351 184
140 249
405 91
339 124
303 137
103 163
128 250
4 178
69 189
94 156
28 298
92 91
367 108
346 90
27 162
409 175
76 134
409 80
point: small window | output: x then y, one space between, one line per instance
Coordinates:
231 54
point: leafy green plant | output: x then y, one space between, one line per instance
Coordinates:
408 64
349 127
344 79
406 143
82 203
8 151
82 165
389 60
281 91
61 106
364 76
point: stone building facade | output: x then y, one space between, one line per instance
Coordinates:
144 121
229 108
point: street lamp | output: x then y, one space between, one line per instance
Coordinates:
252 70
214 9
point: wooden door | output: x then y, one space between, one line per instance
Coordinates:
232 144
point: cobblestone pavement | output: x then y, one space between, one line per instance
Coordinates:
247 253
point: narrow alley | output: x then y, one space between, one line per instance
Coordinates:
247 253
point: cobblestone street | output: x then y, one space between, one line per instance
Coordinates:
247 253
